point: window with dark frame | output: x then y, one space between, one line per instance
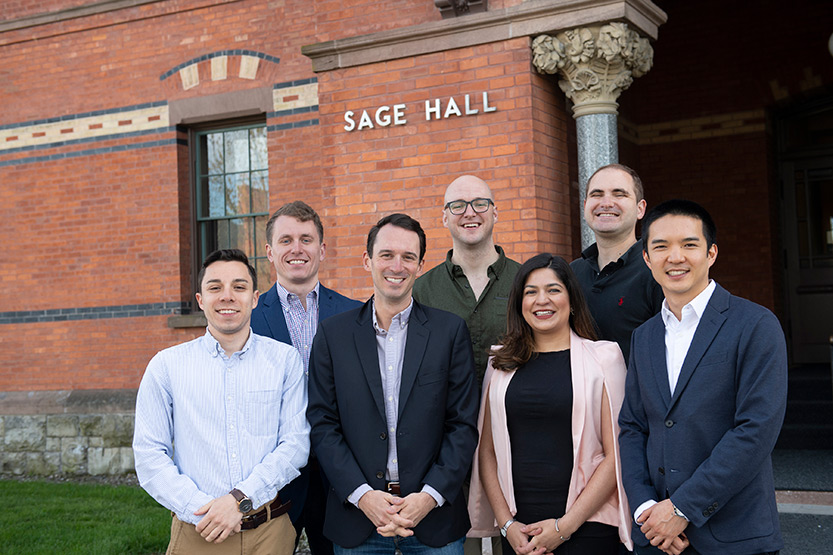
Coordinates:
232 193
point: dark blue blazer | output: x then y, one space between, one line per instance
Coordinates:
268 319
708 446
436 430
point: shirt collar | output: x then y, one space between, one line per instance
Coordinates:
697 304
285 295
401 318
215 349
592 253
495 269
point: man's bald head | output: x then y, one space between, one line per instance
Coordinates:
467 187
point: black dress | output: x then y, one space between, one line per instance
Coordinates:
539 406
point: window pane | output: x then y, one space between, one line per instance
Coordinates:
260 236
223 234
260 158
215 153
237 151
260 192
240 234
237 194
213 201
264 280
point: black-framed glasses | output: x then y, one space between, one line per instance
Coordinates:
479 205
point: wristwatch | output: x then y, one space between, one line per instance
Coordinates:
506 526
678 512
244 504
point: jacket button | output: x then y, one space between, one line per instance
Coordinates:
662 470
669 423
706 513
380 475
383 435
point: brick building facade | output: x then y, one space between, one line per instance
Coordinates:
109 106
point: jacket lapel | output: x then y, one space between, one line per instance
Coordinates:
710 323
325 303
416 343
364 338
659 365
275 320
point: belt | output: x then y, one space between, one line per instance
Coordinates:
393 487
271 511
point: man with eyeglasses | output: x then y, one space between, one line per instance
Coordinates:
475 279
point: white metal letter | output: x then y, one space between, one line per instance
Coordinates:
365 121
452 108
469 109
435 109
382 119
348 117
486 107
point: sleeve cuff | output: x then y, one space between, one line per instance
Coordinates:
357 494
434 493
642 508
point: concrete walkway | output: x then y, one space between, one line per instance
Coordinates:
804 491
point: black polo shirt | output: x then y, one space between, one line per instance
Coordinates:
621 296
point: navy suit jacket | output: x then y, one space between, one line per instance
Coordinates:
708 445
436 429
268 319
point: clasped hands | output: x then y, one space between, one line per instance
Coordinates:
663 528
536 538
395 516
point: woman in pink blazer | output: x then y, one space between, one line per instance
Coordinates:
547 471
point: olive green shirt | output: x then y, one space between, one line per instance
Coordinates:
446 287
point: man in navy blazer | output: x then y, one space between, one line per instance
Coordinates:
393 410
704 402
289 312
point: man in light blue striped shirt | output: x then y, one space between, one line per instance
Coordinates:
234 404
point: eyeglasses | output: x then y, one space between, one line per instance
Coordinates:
479 205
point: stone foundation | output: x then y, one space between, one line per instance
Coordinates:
46 433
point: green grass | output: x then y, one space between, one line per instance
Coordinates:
63 518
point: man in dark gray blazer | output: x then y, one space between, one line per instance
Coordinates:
393 410
704 402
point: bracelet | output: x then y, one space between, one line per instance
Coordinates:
559 532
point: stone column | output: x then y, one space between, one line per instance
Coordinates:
596 64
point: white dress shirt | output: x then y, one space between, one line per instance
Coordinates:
207 423
678 337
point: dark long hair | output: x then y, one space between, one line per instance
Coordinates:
518 344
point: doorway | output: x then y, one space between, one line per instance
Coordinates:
805 137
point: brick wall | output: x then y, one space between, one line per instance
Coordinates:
372 172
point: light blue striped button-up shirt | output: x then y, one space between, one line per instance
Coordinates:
237 422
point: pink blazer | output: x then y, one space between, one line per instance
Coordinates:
593 364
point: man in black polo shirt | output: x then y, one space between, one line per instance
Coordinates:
618 286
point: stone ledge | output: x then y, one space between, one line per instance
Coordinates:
188 321
527 19
82 401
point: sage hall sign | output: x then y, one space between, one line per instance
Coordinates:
384 116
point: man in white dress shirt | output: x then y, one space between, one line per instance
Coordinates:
233 403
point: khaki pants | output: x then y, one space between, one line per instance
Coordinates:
276 537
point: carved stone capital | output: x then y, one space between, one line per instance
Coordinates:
596 64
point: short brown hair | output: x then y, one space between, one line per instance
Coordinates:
299 210
638 189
